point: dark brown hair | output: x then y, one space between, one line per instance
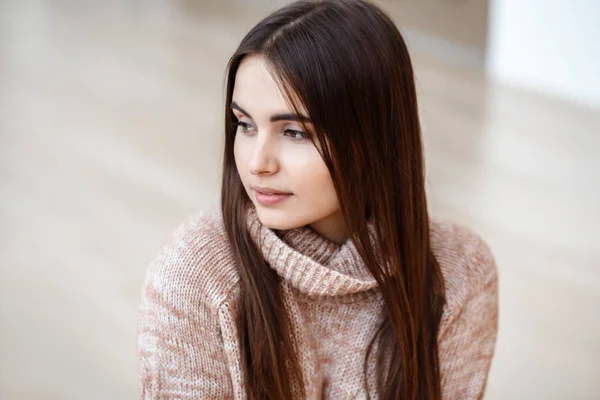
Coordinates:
347 64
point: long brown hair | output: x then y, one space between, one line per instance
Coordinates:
347 64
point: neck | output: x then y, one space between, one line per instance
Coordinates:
332 228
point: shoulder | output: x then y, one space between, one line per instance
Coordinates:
195 263
466 261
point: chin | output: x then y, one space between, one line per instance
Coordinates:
276 218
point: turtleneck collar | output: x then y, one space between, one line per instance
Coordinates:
310 262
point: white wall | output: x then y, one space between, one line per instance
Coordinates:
551 46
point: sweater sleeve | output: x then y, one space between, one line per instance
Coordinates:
468 334
180 343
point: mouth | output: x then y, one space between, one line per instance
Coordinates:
268 191
270 198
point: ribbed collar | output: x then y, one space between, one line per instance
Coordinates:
310 262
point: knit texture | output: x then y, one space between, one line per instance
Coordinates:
188 341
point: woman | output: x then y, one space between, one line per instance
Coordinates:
321 275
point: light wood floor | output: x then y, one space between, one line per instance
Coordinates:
110 134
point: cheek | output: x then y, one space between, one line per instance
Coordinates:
312 178
239 155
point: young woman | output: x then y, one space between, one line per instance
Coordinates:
321 275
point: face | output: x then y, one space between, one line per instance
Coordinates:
272 150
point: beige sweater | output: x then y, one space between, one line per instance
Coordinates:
188 340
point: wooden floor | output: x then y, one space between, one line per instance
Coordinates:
110 134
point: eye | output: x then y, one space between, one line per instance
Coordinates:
245 126
294 133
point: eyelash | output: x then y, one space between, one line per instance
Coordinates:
245 125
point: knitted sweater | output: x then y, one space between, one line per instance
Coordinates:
187 338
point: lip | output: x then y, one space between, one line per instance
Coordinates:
267 190
266 198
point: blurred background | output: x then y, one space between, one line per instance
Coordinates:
111 134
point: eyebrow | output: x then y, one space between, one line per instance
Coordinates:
274 118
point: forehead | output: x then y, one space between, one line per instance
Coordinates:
256 90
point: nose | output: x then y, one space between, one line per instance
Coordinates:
264 157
